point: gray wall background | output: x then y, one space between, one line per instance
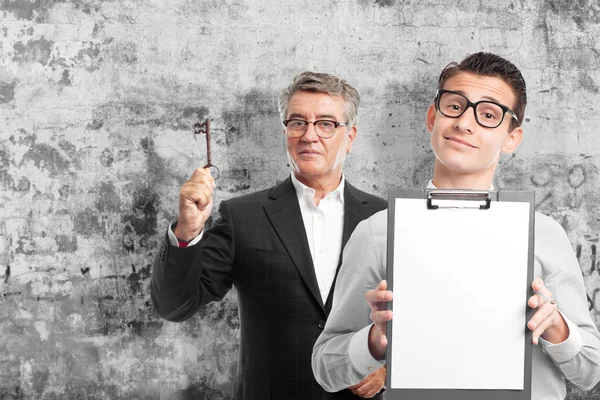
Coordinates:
97 101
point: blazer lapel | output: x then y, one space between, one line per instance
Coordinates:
355 210
286 218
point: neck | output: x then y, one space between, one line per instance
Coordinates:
445 178
323 185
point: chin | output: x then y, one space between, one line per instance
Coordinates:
309 172
457 164
308 168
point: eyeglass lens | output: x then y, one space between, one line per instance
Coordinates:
487 114
299 127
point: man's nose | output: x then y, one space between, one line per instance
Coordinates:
467 121
311 133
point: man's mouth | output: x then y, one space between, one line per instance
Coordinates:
309 152
457 140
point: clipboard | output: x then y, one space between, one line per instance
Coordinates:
459 327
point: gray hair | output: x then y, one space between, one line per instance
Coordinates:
324 83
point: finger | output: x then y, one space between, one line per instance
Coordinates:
197 199
356 388
537 284
205 205
377 298
540 316
381 317
365 387
362 390
382 337
201 171
545 299
197 191
365 394
198 183
363 382
541 328
202 179
202 175
534 301
544 296
539 331
538 299
382 285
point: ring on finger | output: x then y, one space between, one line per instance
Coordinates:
546 298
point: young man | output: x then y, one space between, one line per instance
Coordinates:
280 247
476 116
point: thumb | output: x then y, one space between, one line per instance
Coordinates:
196 172
207 207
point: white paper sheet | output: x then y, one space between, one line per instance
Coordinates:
459 296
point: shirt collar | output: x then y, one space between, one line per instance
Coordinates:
430 185
303 190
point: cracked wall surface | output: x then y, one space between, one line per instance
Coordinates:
97 103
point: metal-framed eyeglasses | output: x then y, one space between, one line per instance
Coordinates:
323 127
488 114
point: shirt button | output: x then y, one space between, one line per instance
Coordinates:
557 354
321 324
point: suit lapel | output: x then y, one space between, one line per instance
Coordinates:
286 218
355 210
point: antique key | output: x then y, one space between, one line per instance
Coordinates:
200 128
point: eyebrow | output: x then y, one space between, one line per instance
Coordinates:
319 116
489 98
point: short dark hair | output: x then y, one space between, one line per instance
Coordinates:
488 64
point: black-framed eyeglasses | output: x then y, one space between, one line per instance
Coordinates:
323 127
488 114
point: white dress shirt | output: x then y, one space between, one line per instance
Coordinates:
324 226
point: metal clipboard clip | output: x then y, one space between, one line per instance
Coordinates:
458 199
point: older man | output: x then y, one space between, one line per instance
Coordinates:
280 247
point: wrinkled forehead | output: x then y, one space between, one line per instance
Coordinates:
303 103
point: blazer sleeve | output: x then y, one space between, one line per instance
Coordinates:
185 279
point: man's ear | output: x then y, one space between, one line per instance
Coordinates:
351 136
430 121
514 140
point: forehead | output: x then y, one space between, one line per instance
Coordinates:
304 103
476 87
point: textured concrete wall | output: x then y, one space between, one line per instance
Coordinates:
97 100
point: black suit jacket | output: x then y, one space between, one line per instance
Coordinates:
259 245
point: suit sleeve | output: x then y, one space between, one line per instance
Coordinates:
185 279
